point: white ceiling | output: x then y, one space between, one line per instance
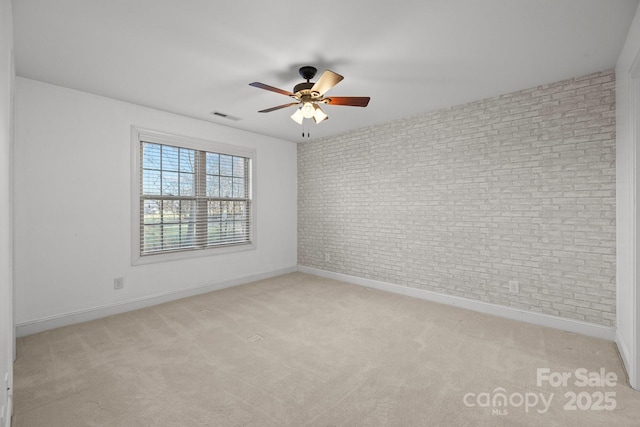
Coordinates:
193 57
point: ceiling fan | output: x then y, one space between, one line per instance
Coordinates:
308 95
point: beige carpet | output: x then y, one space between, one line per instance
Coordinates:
299 350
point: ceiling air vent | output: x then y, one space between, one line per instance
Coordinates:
224 116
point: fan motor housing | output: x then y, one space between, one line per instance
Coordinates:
302 87
304 93
303 90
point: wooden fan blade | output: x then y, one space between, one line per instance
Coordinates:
268 110
327 80
271 88
352 101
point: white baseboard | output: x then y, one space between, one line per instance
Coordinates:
43 324
46 323
9 410
623 350
569 325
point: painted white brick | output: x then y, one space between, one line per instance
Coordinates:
462 200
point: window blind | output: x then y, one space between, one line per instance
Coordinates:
192 199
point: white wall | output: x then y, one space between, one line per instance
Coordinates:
72 208
6 258
627 186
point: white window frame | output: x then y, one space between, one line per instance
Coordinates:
138 136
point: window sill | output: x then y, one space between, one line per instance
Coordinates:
197 253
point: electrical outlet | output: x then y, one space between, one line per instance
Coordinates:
118 283
514 286
327 257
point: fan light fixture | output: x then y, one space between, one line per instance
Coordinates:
319 115
309 110
298 117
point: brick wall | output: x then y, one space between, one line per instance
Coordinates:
462 200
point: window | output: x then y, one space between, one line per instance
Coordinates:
192 197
